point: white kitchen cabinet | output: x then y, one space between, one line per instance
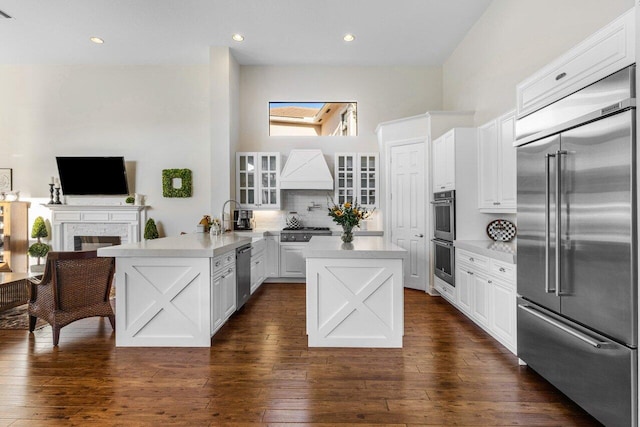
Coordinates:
272 260
216 307
486 293
257 272
258 268
464 284
223 289
292 262
497 165
228 289
257 180
502 318
481 298
453 158
608 50
357 177
444 162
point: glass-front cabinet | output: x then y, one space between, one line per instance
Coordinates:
258 180
356 177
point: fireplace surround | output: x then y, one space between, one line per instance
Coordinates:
125 222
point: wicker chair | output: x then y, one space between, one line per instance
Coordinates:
74 285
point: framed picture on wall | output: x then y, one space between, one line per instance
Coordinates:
5 180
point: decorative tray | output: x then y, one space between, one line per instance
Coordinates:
501 230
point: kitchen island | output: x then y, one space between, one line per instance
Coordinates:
174 291
354 292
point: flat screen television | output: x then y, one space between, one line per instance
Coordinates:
83 176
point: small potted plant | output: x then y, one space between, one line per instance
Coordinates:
150 230
130 200
38 250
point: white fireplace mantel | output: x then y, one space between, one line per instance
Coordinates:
67 221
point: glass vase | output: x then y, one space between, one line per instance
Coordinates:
347 234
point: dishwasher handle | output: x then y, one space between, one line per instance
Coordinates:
243 249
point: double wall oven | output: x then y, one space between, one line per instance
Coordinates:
444 220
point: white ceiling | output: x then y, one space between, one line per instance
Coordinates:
277 32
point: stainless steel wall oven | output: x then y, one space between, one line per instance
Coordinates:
444 260
444 215
444 220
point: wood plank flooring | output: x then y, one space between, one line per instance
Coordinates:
259 371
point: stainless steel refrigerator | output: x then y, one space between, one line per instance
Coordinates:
577 261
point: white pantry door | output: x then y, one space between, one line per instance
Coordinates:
408 211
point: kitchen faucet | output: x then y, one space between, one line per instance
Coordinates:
230 216
313 205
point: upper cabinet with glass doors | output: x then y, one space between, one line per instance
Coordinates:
258 180
356 177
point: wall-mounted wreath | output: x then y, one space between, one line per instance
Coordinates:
168 175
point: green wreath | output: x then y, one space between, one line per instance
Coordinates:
167 182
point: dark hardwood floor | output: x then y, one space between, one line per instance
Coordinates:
259 371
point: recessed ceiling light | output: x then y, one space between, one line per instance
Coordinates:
238 37
97 40
349 37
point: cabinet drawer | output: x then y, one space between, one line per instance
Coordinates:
222 262
504 271
446 291
475 260
605 52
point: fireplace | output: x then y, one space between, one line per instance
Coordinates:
96 225
90 243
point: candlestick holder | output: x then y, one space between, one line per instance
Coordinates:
57 202
51 202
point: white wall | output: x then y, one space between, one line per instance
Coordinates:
382 94
512 40
157 117
224 102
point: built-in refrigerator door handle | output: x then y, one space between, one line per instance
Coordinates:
581 336
558 254
547 221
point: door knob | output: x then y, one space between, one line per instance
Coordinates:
420 235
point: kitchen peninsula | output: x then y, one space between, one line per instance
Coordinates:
354 292
174 291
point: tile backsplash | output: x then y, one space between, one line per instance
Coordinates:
311 207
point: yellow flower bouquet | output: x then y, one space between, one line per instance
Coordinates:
348 215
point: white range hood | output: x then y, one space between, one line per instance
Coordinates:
306 170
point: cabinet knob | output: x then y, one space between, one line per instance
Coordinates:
470 272
419 235
471 259
489 281
496 203
502 270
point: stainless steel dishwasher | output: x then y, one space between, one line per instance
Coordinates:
243 275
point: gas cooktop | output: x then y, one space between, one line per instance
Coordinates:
305 229
303 234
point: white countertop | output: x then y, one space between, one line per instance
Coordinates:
502 251
361 247
256 232
194 245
